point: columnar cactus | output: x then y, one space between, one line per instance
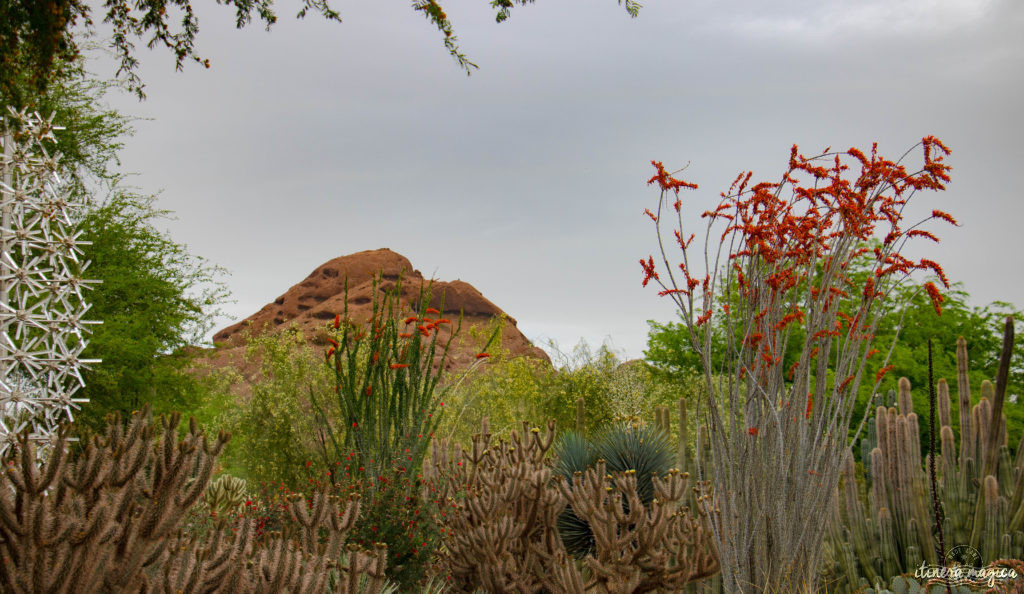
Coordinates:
893 534
42 326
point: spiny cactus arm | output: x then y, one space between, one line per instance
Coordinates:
193 478
564 576
1002 377
85 563
880 481
128 458
614 577
697 545
86 526
549 438
887 552
25 473
673 488
179 572
948 448
286 570
942 389
274 567
963 383
227 556
12 510
632 512
371 565
341 524
200 478
90 471
308 514
906 403
1004 471
164 461
534 499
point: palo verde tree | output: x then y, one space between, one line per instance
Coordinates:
36 36
778 433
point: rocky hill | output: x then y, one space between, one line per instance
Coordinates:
312 304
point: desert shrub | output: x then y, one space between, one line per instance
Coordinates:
399 511
274 430
510 389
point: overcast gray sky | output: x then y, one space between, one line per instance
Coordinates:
528 178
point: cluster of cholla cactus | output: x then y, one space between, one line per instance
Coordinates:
42 325
225 494
980 489
109 521
504 502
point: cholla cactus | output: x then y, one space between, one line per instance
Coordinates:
42 330
225 494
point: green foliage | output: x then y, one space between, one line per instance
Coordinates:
155 299
641 448
365 414
912 312
512 389
507 390
396 513
35 41
90 133
274 434
386 398
574 453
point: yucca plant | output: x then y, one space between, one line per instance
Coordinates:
644 449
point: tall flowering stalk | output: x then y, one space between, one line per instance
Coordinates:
781 272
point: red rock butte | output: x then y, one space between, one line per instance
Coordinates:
312 304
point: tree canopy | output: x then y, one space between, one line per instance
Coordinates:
912 315
36 36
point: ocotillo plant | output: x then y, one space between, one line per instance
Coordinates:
778 435
893 534
386 383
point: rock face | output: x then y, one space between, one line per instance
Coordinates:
312 304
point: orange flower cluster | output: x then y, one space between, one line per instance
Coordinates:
779 242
